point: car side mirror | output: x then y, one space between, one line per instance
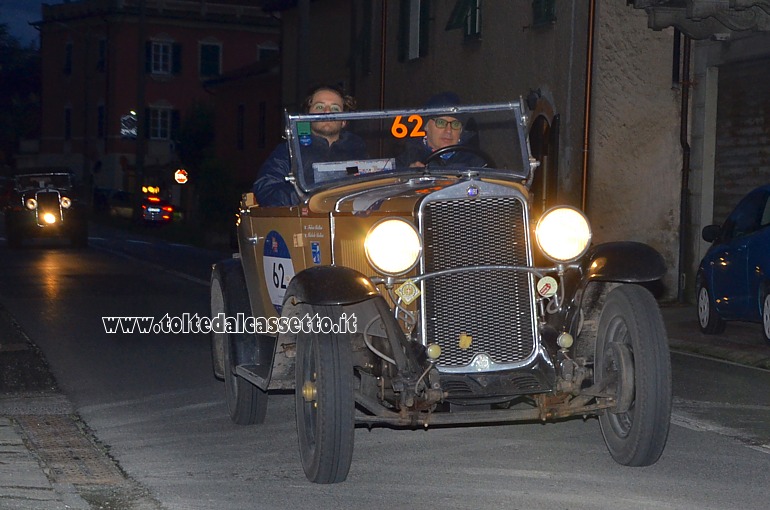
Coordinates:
710 233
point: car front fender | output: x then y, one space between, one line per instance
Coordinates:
330 285
626 261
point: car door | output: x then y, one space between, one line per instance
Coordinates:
758 260
731 257
271 254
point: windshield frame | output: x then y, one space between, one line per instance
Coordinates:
22 182
292 138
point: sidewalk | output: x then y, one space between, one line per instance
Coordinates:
24 484
740 343
27 390
26 479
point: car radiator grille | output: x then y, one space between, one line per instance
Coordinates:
493 307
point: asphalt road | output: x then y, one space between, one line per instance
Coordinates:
151 402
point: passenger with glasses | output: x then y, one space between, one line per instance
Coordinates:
441 132
328 141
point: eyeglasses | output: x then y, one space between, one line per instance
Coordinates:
322 107
442 123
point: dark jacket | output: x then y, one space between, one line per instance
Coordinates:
417 150
271 188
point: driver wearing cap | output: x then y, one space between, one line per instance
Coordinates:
442 131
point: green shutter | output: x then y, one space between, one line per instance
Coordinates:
459 14
403 31
543 12
424 27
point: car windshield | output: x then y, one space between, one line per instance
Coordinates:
487 138
43 181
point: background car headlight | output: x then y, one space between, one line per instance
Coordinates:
393 246
30 204
563 233
66 202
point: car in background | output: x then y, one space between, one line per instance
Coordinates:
733 279
156 210
45 205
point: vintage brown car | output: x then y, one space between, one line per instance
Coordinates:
400 295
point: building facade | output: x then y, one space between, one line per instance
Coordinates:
120 78
554 55
623 118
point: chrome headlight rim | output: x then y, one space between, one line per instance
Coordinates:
66 202
374 253
30 204
545 238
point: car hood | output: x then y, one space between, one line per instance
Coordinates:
392 195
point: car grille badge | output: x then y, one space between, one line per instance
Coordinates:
547 286
408 292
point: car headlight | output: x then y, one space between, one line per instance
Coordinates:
563 233
49 218
66 202
31 204
393 246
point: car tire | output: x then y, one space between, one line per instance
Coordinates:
766 317
632 338
709 321
246 403
325 408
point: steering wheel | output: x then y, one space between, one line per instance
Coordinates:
436 155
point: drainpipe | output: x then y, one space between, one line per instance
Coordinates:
684 207
587 111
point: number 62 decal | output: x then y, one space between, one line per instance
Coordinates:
279 270
400 130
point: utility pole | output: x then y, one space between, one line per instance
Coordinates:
141 121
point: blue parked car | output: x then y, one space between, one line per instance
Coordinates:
733 281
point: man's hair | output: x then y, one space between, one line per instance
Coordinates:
348 102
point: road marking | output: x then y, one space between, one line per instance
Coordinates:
726 362
700 425
153 265
723 405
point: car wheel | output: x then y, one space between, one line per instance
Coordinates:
709 320
633 359
246 403
766 317
325 409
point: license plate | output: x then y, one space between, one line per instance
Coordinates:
153 209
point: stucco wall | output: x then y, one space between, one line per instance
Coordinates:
635 154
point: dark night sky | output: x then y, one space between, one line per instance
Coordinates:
18 13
